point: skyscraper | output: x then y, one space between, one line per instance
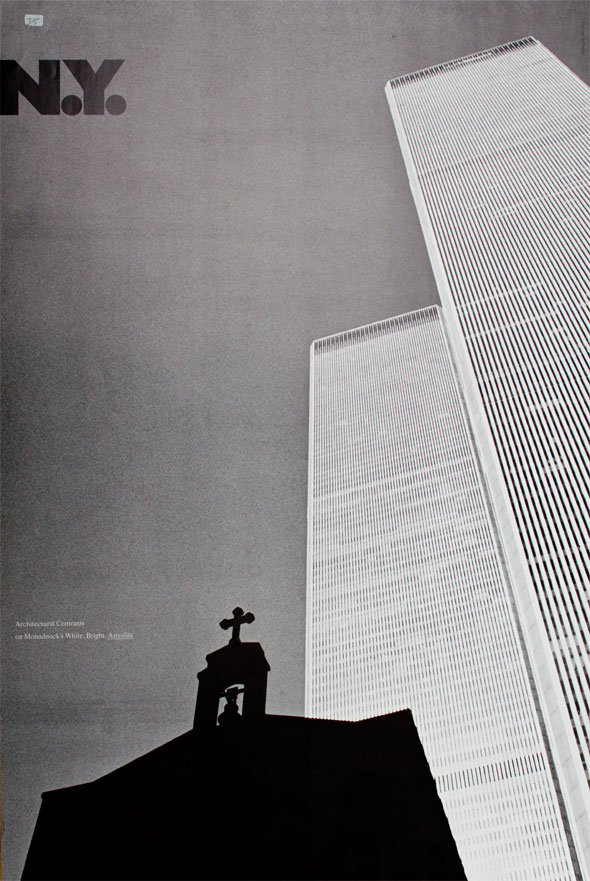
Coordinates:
496 146
409 602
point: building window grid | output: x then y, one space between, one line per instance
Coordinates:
565 671
521 472
441 133
349 693
531 428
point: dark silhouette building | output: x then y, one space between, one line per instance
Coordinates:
253 795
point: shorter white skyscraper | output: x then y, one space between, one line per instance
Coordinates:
409 603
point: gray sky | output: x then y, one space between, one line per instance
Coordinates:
164 274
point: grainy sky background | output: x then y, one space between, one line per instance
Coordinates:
165 272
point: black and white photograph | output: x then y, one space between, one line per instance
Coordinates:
295 440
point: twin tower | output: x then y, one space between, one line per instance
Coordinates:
448 556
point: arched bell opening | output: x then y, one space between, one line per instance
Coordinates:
231 710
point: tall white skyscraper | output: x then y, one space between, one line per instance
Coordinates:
409 602
449 506
497 147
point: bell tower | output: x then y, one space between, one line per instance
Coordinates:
237 668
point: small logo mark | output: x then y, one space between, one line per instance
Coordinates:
34 21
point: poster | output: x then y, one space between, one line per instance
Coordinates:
166 264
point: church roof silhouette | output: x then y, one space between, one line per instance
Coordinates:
254 795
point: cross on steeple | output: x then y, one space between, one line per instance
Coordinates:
236 622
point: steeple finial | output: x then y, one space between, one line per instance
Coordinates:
236 622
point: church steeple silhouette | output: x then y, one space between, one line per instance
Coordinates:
238 664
